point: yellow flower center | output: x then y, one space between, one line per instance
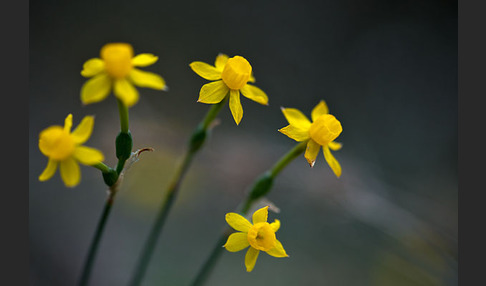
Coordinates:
56 143
236 72
325 129
118 59
261 236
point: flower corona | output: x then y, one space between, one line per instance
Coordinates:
325 129
236 72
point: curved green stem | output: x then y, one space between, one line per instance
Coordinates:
102 167
261 186
197 139
88 265
287 158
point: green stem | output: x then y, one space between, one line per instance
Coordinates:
102 167
264 180
110 176
211 260
195 143
124 140
88 265
287 158
123 110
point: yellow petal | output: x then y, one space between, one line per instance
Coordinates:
278 250
126 92
251 258
275 225
320 109
220 62
252 78
296 118
49 170
205 70
311 152
295 133
333 163
254 93
143 60
213 92
68 123
238 222
235 106
96 89
83 131
237 241
335 145
93 67
260 215
70 172
87 155
147 79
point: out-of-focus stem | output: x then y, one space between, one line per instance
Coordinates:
196 141
88 265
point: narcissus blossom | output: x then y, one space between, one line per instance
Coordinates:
259 236
64 149
116 69
229 75
322 131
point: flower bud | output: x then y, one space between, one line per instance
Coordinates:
110 177
262 186
197 139
124 144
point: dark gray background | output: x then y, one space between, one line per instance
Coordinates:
388 71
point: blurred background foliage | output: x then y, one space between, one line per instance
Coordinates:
388 71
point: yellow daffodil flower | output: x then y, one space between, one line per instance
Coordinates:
63 148
323 129
228 75
116 69
259 236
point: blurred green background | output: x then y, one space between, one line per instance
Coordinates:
388 71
